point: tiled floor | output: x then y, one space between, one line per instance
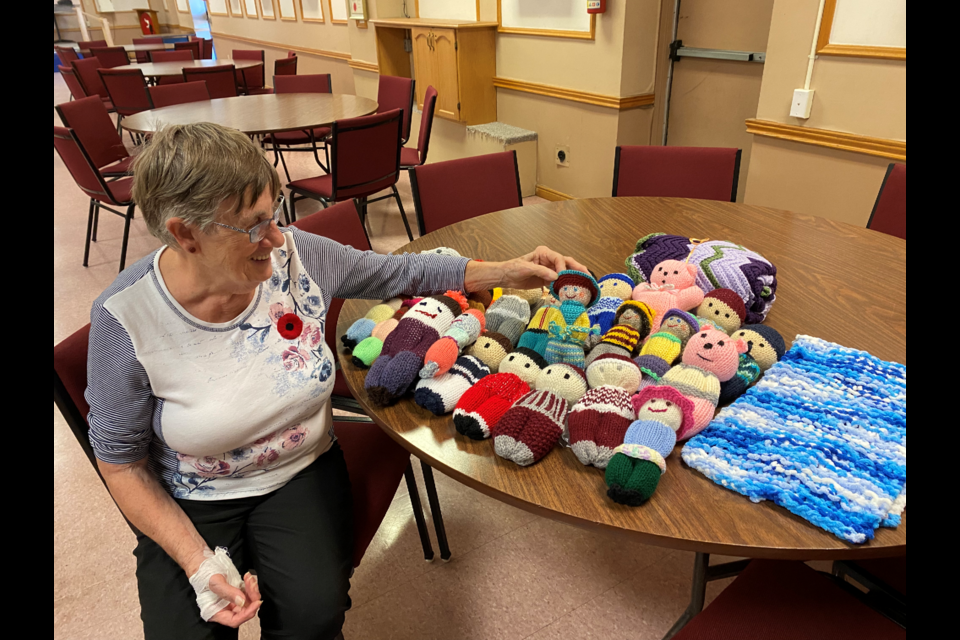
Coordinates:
513 575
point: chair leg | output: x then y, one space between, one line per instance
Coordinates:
96 221
414 493
86 246
435 510
119 128
403 214
126 236
279 154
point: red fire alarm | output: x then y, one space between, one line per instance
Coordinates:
596 6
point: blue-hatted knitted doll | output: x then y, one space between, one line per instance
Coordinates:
575 291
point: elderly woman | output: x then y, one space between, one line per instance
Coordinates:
212 428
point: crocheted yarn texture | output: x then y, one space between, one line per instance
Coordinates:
823 434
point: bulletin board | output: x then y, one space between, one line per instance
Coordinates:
864 29
218 7
449 9
556 18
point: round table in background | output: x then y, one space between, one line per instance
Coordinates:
175 68
835 281
259 114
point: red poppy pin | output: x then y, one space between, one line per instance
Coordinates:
290 326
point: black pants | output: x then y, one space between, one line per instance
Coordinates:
299 542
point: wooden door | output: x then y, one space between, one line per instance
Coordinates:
447 81
424 62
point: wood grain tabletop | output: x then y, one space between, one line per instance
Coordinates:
175 68
266 113
837 282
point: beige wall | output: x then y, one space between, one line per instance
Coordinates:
853 95
124 24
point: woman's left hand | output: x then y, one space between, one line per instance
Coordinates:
535 269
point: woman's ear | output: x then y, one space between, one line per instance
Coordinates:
183 234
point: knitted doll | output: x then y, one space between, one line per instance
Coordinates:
724 307
441 394
536 336
395 371
482 406
508 316
634 471
463 332
765 347
443 251
363 327
370 348
652 369
711 357
576 291
676 327
631 326
672 286
615 288
599 421
534 424
480 300
490 349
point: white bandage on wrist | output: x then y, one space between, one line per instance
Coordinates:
216 562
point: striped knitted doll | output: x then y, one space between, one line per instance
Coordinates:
710 357
634 471
615 288
395 371
534 424
672 286
577 291
632 325
363 327
598 422
441 394
765 347
482 406
463 332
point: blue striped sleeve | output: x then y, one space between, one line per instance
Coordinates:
345 272
118 392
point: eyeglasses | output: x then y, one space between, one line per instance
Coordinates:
258 231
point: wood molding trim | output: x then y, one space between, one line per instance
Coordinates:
335 55
882 147
851 50
551 194
363 65
550 33
586 97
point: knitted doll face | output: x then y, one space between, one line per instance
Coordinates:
522 366
562 380
680 274
661 410
715 352
614 373
575 293
759 348
720 313
490 351
616 289
432 313
633 318
678 327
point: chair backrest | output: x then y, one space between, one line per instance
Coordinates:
194 46
127 89
285 66
165 95
206 47
90 44
341 223
91 123
313 83
455 190
79 164
146 41
66 54
87 74
171 56
890 210
426 123
69 384
707 173
251 77
110 57
73 82
397 93
221 80
365 156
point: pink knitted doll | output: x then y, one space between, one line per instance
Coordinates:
672 285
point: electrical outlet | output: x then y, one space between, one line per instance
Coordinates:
562 156
802 103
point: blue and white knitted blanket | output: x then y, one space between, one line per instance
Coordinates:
823 434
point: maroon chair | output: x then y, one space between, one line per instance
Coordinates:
285 66
171 56
181 93
144 56
375 463
92 125
455 190
191 45
884 581
84 46
73 82
87 73
221 80
707 173
91 182
127 89
110 57
250 80
315 138
206 47
410 157
397 93
66 55
365 160
788 601
889 213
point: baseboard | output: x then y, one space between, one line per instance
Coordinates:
552 194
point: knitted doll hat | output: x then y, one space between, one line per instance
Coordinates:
622 277
686 317
579 279
653 366
643 308
772 336
663 392
460 299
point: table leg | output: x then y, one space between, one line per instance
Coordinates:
702 574
414 493
435 510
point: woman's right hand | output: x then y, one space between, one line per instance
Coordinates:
246 602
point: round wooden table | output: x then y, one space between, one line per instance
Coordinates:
175 68
268 113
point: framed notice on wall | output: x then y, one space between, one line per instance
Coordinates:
235 8
556 18
864 29
357 9
266 10
338 11
311 10
286 10
449 9
250 8
218 7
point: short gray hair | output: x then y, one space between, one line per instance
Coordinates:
188 171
